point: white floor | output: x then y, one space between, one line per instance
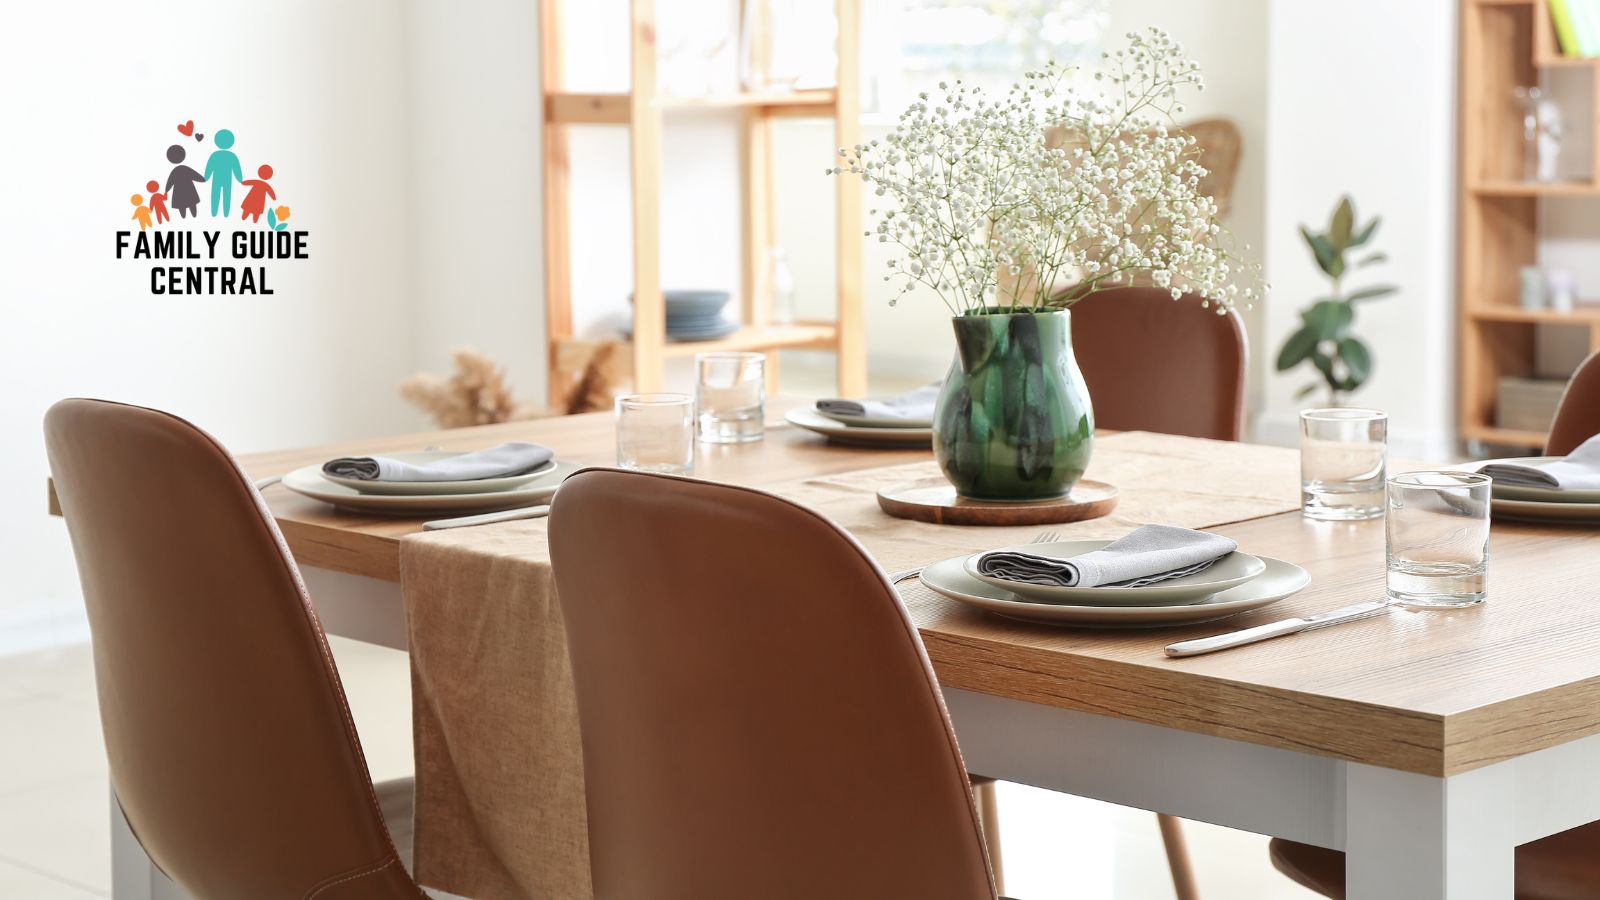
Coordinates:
54 842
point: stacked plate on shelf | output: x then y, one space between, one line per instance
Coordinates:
427 497
1541 504
696 315
1236 583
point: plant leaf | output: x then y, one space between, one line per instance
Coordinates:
1329 259
1357 361
1324 364
1372 293
1327 319
1296 348
1374 258
1366 233
1339 227
1306 390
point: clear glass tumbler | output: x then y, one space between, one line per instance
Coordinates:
1342 454
655 433
731 394
1438 538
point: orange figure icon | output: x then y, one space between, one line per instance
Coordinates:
158 201
141 212
255 202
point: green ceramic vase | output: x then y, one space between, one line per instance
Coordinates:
1013 420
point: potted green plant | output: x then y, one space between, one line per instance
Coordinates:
1326 338
991 217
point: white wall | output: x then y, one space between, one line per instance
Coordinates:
476 257
1367 108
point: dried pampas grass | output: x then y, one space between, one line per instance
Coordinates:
477 394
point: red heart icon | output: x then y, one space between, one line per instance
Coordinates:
186 128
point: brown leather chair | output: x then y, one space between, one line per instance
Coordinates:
1153 363
230 745
759 718
1563 866
1578 413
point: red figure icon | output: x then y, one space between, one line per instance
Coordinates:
158 202
255 202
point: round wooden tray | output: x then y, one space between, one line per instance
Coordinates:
934 500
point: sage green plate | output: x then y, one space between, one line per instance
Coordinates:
1281 579
811 420
418 488
1537 494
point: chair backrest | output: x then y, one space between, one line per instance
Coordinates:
1153 363
230 745
1578 413
759 718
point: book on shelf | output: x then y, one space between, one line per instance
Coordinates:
1577 26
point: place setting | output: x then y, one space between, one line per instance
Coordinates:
1547 488
1156 575
901 421
500 483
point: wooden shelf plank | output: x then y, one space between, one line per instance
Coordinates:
577 108
1585 315
1515 437
770 338
1536 189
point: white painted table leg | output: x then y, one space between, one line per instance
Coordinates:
133 875
1426 838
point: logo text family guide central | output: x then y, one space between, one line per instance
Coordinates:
160 236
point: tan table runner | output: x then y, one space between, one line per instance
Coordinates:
500 806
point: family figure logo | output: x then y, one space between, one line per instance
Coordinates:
181 194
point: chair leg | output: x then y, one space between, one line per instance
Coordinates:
989 818
1178 857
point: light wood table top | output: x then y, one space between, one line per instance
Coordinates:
1430 692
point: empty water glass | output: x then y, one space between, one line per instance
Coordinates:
1438 538
655 433
1342 454
731 394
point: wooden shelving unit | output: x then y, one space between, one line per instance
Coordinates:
1504 44
641 110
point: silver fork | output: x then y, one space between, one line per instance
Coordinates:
1043 537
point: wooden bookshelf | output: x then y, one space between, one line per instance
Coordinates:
642 110
1505 44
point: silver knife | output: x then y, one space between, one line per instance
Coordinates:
505 515
1276 629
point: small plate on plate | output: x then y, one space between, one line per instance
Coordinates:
1280 579
811 420
1539 494
1540 511
310 482
418 488
1228 572
874 421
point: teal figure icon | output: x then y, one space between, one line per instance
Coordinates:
222 170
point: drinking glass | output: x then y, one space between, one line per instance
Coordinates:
1342 463
655 433
1438 538
731 394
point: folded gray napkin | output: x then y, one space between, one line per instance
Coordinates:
1147 555
513 458
915 407
1579 471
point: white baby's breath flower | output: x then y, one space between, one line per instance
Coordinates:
977 191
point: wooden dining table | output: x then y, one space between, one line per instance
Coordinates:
1424 744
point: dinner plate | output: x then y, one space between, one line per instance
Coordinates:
811 420
874 421
1541 494
310 482
1539 511
418 488
1279 580
1230 571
